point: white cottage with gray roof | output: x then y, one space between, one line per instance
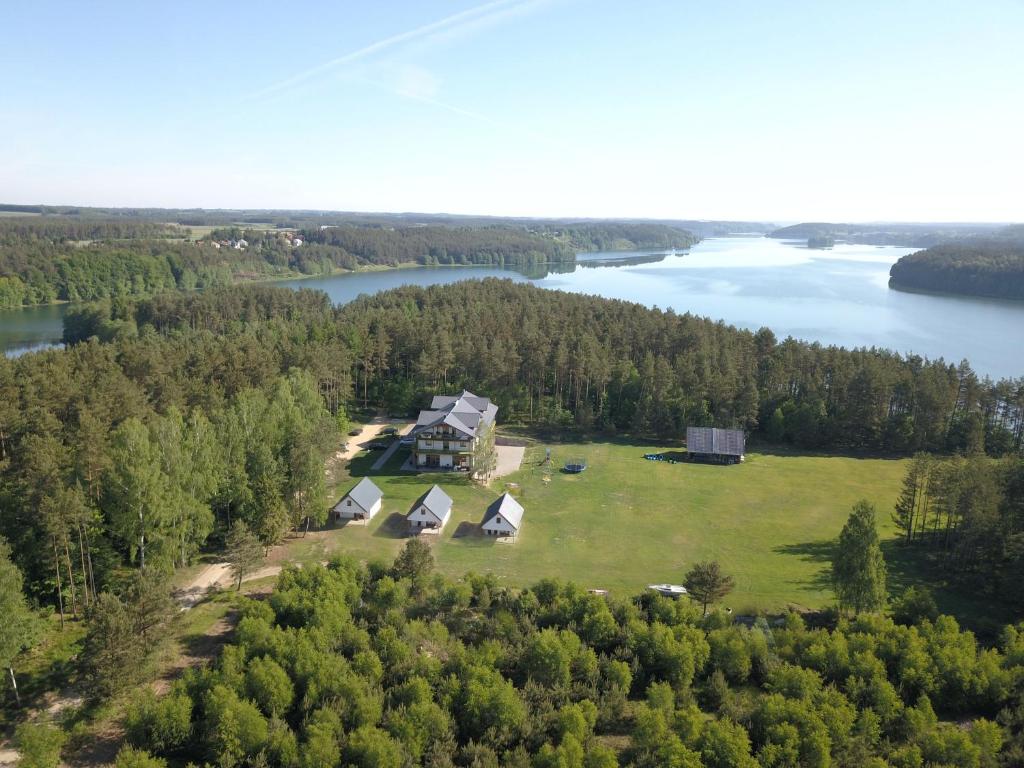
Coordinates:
504 517
431 512
449 433
362 502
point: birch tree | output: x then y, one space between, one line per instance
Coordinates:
19 625
137 494
858 567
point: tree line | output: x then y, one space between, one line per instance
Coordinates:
47 259
617 236
299 219
970 512
912 235
324 248
568 360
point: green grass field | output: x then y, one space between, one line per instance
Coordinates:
627 522
200 231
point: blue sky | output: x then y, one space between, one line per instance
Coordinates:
750 110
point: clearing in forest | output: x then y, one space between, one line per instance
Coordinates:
627 522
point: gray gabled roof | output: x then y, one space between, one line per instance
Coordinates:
469 400
506 506
365 493
726 442
465 412
437 501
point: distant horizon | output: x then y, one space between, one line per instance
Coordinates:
779 223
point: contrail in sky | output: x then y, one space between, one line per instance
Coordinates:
477 13
423 98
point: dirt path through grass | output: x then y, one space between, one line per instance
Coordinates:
218 576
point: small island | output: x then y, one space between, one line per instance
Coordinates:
821 241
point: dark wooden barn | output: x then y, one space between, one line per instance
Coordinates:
716 446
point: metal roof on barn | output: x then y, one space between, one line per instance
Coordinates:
714 441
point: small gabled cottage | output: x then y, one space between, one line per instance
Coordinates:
362 502
431 512
504 517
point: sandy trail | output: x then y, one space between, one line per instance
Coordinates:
367 434
218 576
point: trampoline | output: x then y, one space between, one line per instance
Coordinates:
575 466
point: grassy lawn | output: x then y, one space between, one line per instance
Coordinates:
627 522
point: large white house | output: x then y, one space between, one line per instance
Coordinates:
362 502
504 517
431 512
450 432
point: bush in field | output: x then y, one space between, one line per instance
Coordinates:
39 745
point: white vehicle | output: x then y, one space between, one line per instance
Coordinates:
669 590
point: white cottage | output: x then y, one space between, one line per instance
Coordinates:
361 503
431 512
504 517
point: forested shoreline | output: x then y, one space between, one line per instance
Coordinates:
897 234
45 260
985 267
180 368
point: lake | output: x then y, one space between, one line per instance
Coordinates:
836 296
31 328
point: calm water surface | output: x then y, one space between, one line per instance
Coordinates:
32 328
838 296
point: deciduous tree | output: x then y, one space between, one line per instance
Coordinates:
138 494
858 567
19 626
242 550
